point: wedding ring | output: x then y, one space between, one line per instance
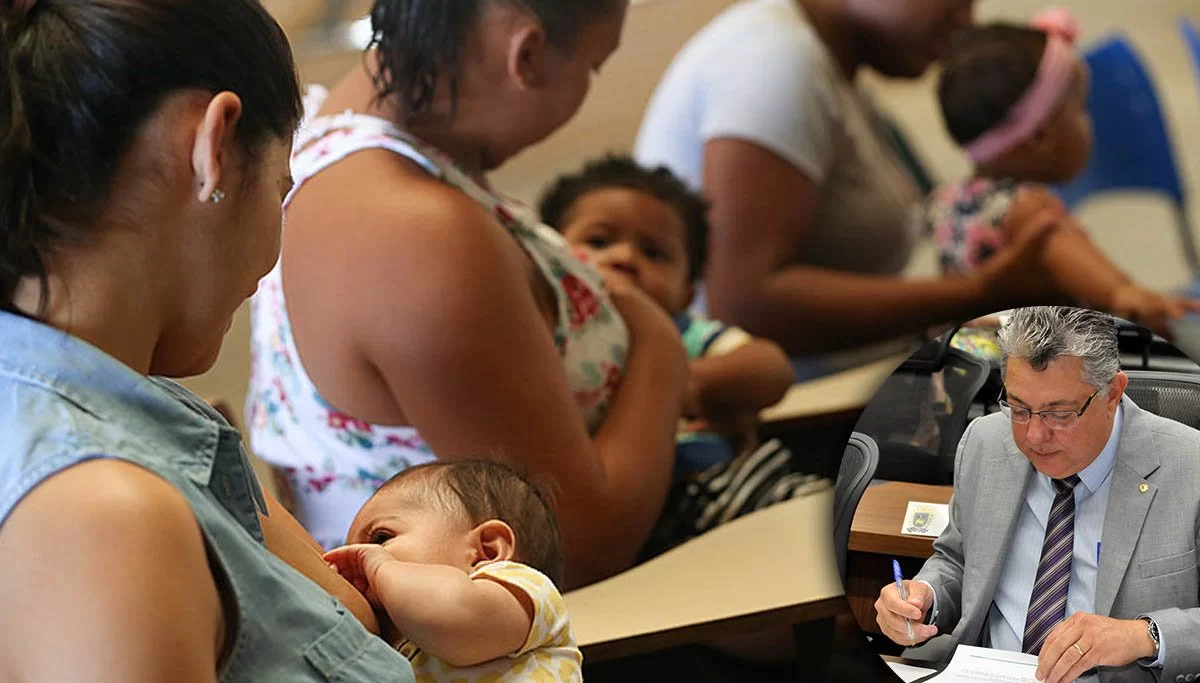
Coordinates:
1076 646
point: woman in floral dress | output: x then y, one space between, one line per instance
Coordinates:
416 314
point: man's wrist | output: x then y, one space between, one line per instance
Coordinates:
1148 638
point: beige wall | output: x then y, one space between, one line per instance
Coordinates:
1136 233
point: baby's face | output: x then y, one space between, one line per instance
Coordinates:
413 526
632 234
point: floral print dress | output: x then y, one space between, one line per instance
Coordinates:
967 222
334 461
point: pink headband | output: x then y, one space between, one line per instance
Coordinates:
1043 96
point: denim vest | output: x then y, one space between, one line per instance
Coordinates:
63 401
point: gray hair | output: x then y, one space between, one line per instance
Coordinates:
1041 334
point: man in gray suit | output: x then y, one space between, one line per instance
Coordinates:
1074 523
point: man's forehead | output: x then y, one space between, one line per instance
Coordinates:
1060 382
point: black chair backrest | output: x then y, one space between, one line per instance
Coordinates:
930 357
964 376
1175 396
856 471
917 434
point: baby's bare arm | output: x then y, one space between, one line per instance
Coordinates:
439 608
754 376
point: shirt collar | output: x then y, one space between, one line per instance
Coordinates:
1093 475
158 411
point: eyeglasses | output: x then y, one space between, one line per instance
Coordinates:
1054 419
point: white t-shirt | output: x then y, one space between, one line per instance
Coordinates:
759 72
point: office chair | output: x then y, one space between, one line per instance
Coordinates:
917 438
1171 395
1131 146
1141 349
856 472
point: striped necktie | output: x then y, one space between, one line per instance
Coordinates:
1048 603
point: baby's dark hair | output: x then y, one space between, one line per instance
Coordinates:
419 42
622 171
487 489
985 73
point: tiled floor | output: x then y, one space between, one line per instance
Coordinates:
1137 233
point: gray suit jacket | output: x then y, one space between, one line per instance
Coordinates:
1150 538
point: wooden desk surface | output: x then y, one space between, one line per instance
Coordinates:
841 392
876 525
770 568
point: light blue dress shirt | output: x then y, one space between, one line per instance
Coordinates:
1006 619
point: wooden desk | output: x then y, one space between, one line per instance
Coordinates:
767 569
876 525
875 539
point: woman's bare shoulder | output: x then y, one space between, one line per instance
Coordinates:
373 209
108 557
108 497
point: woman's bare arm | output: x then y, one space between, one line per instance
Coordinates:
113 588
1081 270
761 210
751 377
457 335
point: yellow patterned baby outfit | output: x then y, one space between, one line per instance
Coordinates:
549 654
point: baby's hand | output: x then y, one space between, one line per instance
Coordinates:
357 564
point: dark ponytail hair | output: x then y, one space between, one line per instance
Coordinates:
986 71
418 42
18 198
77 81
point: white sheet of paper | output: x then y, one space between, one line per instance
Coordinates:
908 674
925 519
971 664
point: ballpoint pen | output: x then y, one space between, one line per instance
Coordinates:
903 595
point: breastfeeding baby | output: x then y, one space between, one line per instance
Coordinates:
460 560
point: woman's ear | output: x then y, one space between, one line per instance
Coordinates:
493 541
527 56
215 130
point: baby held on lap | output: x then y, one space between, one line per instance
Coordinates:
460 558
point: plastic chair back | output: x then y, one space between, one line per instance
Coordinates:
1131 147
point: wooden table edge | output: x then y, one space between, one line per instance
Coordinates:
878 543
702 631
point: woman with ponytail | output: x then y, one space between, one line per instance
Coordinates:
143 159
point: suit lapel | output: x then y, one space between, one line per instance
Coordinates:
1001 497
1128 504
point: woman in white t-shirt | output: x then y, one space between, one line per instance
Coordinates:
812 214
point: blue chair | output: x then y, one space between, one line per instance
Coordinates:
1192 38
1131 145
